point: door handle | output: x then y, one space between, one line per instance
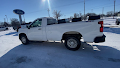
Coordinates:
39 29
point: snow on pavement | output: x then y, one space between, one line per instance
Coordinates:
13 54
8 40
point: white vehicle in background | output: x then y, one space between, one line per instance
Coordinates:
118 21
45 29
2 28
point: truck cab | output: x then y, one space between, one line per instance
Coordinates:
36 30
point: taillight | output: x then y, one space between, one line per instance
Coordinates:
101 28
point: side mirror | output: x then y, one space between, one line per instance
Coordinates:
28 27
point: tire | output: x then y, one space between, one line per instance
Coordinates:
17 30
117 23
72 43
6 28
13 28
24 39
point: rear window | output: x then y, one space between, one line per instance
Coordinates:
51 21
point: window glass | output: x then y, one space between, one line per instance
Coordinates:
51 21
37 23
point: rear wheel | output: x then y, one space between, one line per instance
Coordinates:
24 39
72 43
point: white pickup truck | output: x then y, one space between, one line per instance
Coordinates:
44 29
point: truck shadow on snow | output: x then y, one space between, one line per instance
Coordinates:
50 52
112 30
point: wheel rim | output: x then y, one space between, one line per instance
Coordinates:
72 43
23 39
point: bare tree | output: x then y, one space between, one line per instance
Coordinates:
91 14
70 18
57 14
102 15
2 23
6 24
15 23
80 14
110 13
76 15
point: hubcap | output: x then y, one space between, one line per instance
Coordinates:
72 43
23 39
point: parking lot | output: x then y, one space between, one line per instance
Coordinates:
13 54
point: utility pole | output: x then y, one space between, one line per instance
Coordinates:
84 8
6 18
114 9
102 12
48 12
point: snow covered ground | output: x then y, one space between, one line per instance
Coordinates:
110 21
13 54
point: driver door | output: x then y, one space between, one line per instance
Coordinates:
35 31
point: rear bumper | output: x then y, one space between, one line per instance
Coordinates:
99 39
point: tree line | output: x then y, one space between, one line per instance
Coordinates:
57 15
78 15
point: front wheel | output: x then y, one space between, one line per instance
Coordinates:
24 40
72 43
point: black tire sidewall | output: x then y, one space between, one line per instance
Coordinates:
73 49
117 22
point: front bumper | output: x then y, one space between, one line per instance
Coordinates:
99 39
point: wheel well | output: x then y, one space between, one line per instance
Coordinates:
71 34
21 35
